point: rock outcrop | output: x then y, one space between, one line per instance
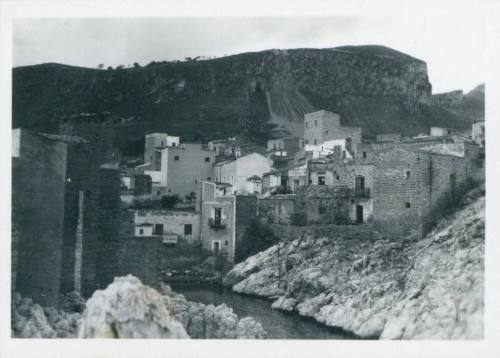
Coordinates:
30 320
129 309
408 289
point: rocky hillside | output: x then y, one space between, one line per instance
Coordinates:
430 288
129 309
377 88
467 107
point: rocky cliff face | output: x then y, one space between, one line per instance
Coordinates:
375 87
467 107
432 288
129 309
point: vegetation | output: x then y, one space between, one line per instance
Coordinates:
169 201
257 237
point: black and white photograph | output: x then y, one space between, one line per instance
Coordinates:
255 178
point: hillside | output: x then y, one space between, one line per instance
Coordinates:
377 88
406 289
467 107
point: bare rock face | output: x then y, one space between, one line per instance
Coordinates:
30 320
209 321
427 289
129 309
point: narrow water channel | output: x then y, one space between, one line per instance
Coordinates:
278 324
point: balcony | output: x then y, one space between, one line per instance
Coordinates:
361 193
217 223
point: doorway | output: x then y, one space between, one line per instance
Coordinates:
216 247
359 214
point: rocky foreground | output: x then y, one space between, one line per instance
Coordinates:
409 289
129 309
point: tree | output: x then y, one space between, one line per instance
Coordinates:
169 201
136 65
100 66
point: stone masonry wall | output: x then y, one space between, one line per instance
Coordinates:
38 186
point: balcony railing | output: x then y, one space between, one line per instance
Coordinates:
361 192
217 223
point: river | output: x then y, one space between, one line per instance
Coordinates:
278 324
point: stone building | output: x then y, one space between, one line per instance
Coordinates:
322 126
153 144
478 133
169 225
178 169
218 222
237 171
412 186
38 195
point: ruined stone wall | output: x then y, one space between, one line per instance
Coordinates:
246 209
277 208
109 229
322 205
332 232
38 187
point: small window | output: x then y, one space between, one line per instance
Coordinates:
408 174
158 192
315 142
162 143
141 232
196 181
326 132
274 146
315 123
207 159
227 243
176 157
209 178
343 154
174 144
407 205
188 229
306 142
338 177
321 180
321 209
364 155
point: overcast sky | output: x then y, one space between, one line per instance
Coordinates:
453 47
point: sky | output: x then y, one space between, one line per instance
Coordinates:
453 48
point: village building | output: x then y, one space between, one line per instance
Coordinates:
271 181
254 185
169 225
153 144
237 171
218 222
322 126
178 168
439 131
478 133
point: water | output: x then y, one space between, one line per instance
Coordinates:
278 324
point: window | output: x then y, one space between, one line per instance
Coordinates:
218 216
176 157
274 146
158 229
207 159
408 174
315 123
343 154
188 229
209 178
157 192
315 142
338 177
196 181
321 180
306 142
364 155
321 209
227 243
174 144
162 143
407 205
141 232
